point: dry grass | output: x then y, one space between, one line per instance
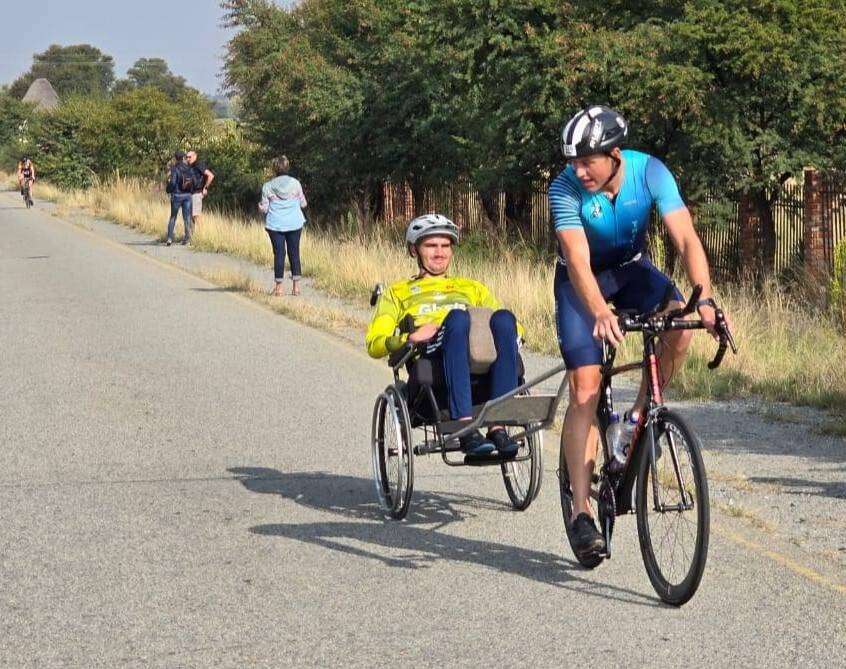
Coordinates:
788 352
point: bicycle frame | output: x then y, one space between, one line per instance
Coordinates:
644 431
651 326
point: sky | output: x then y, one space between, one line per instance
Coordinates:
186 33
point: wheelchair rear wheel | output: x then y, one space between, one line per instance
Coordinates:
522 476
393 458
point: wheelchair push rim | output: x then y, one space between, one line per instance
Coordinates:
392 457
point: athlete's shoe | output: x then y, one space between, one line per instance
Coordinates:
475 444
505 445
587 540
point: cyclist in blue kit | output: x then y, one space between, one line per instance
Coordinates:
601 205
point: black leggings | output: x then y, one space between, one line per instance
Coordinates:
279 240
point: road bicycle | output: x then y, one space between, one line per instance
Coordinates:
26 192
663 480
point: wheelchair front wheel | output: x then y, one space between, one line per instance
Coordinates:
392 455
522 476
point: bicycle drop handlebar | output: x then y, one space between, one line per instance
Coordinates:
656 322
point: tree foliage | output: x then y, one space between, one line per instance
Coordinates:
79 69
134 134
735 95
153 73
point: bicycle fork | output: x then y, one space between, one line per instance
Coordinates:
685 501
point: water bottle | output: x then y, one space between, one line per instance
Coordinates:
613 437
619 439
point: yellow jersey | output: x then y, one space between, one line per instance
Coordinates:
426 300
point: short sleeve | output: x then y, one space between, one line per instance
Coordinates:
565 204
663 187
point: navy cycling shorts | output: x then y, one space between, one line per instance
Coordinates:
636 285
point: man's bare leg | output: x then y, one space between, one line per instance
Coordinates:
579 436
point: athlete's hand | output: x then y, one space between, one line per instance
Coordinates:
608 328
709 319
423 333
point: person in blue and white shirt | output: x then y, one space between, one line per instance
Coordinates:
282 200
601 205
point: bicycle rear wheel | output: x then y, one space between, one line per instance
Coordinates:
392 455
673 515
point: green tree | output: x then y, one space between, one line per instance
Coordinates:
79 69
737 96
155 73
15 129
134 133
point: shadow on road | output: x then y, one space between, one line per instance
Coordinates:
797 486
411 544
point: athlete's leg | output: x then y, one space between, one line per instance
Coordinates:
503 371
579 437
583 355
455 349
644 288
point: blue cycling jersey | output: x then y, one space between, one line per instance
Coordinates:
616 231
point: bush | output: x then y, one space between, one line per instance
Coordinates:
86 139
239 169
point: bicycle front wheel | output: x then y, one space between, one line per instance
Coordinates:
673 516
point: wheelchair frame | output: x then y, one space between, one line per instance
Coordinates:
529 412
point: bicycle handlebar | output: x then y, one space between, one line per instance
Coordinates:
655 323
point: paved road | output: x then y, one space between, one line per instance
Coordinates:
186 483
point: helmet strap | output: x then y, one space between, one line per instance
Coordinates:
617 163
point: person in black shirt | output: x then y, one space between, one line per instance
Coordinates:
180 186
203 178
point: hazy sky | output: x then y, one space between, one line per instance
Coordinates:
186 33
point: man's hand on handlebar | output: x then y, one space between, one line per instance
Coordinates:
607 328
708 314
423 333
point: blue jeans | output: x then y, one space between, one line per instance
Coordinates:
279 240
180 201
454 352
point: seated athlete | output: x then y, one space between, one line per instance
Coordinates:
437 303
601 206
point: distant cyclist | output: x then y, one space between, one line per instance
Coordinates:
601 205
437 303
26 177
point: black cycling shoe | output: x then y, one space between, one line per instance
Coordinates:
505 445
586 538
475 444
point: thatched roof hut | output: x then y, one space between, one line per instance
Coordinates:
42 95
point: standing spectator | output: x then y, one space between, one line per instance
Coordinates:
282 199
203 178
180 186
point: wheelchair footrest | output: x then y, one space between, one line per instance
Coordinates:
483 460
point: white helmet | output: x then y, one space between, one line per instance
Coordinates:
429 225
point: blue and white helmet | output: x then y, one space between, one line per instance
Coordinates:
596 129
429 225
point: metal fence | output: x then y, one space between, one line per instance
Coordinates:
717 220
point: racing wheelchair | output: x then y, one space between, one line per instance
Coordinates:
408 421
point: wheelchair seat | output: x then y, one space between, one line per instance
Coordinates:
425 374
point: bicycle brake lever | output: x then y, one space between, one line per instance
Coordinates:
725 332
